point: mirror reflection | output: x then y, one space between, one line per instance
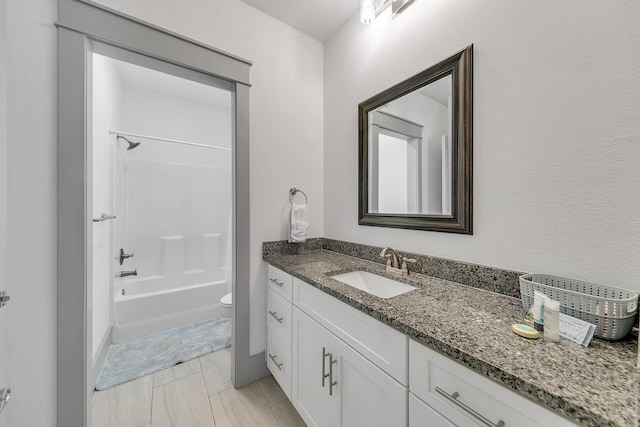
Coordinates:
410 152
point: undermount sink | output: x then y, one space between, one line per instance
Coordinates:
379 286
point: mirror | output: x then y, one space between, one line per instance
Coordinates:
415 150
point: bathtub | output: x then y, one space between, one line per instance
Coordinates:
143 306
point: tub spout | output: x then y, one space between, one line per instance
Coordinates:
126 273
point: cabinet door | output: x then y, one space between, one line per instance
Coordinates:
365 394
310 345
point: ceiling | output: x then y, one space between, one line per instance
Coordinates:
317 18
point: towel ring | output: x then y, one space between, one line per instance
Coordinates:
293 191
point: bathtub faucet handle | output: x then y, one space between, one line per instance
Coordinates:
123 256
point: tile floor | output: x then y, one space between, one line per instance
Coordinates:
198 393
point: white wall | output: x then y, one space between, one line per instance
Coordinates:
286 114
107 99
556 130
31 160
166 114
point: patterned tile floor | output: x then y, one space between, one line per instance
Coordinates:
198 393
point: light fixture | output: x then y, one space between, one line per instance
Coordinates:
369 9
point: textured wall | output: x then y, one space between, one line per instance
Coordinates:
556 130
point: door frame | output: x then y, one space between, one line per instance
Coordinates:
4 201
80 23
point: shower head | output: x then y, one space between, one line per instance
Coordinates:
132 145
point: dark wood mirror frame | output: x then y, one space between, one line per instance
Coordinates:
460 67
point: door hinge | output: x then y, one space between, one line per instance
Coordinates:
4 298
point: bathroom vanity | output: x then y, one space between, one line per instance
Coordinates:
441 355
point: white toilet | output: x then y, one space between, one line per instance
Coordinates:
225 306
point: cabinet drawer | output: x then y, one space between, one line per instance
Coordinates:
423 415
279 363
383 346
280 282
279 317
469 399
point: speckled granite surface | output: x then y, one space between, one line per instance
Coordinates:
284 247
594 386
479 276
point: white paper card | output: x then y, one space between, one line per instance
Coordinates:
576 330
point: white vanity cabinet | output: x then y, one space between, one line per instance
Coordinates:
334 385
445 393
347 369
341 367
279 321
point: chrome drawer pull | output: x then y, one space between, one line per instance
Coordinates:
273 313
278 365
324 356
453 398
331 381
281 284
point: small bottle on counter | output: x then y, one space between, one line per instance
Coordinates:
551 320
538 310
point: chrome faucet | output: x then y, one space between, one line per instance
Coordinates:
126 273
393 262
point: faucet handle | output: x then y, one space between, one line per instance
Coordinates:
405 267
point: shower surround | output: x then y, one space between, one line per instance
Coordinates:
174 201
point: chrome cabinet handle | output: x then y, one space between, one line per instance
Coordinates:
281 284
273 313
453 398
278 365
104 217
324 357
331 381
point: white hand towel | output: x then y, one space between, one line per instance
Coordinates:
298 223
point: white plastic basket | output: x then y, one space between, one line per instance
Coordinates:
612 310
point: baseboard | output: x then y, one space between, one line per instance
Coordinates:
102 353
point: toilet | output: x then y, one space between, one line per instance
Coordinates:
225 306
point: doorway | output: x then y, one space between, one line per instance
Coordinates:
84 28
161 205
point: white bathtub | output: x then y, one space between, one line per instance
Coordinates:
149 305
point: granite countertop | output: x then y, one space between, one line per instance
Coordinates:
593 386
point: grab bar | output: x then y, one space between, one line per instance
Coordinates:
104 217
126 273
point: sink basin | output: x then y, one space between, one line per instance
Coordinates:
379 286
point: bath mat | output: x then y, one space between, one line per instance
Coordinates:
142 356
